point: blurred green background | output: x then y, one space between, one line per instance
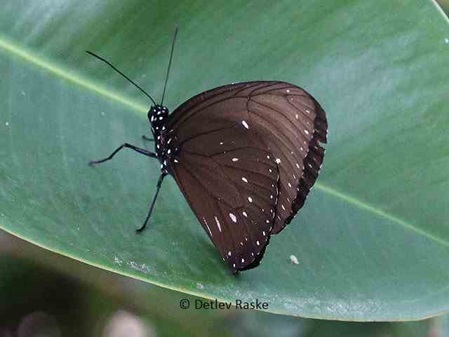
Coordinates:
45 294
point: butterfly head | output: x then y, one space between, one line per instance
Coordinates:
158 116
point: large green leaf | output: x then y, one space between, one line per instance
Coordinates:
373 238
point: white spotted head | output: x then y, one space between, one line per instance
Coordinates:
158 115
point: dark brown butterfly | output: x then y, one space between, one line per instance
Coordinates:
245 156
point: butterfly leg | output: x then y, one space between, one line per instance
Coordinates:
158 187
126 145
147 139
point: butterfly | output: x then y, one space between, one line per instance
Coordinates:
244 155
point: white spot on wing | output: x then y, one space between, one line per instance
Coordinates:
235 159
250 199
244 214
244 179
278 161
233 217
205 222
218 224
245 124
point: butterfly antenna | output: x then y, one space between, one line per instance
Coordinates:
113 67
169 63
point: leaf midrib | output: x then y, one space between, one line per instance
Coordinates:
26 55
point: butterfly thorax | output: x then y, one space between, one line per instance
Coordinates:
158 117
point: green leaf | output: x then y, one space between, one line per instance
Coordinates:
372 240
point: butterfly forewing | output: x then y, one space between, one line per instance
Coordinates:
246 156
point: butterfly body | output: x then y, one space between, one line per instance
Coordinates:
158 116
